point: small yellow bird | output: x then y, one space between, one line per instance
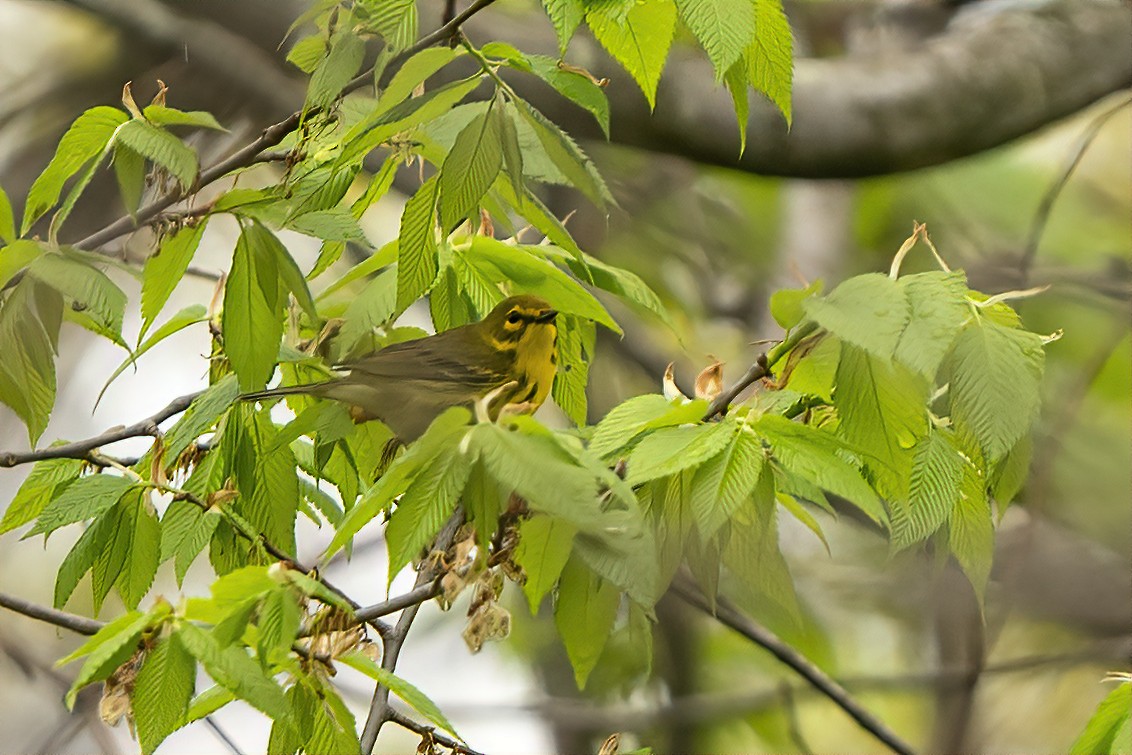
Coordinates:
407 385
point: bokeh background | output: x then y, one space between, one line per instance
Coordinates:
1049 208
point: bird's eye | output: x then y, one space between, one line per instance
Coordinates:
513 318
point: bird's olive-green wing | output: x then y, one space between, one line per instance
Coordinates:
456 359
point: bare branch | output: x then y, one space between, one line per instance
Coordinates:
427 731
417 595
75 623
757 371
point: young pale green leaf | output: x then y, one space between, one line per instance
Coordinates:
165 268
470 168
869 311
428 501
185 530
234 670
786 303
417 263
253 309
110 563
82 557
669 450
332 729
307 52
414 72
412 696
162 691
47 478
106 650
374 306
29 329
1106 733
140 565
584 614
16 256
723 483
625 421
85 498
736 81
200 416
566 16
567 156
295 737
335 224
7 221
396 21
129 170
933 490
382 258
544 547
208 702
167 116
574 85
995 376
84 141
770 56
447 304
161 147
333 73
939 311
575 350
1008 478
530 273
723 28
88 288
640 42
190 315
971 529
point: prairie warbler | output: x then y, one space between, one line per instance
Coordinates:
406 385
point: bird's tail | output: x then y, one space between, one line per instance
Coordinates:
289 390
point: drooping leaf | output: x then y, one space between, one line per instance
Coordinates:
417 263
253 310
933 490
575 165
544 547
161 147
723 483
129 169
584 614
234 670
971 529
190 315
869 311
939 310
770 56
85 498
29 329
723 28
669 450
7 221
46 479
82 557
640 43
332 73
565 15
162 691
86 287
185 530
575 350
470 168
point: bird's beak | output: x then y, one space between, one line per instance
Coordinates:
547 316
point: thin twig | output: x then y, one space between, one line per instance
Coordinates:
81 449
418 594
427 731
757 371
79 624
379 709
728 615
223 736
1045 208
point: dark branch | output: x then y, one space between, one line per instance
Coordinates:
417 595
427 731
75 623
757 371
728 615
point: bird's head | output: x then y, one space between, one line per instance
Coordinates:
523 323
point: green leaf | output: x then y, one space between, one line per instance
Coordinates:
190 315
15 257
567 156
144 538
208 702
933 490
167 116
669 450
334 72
46 479
869 311
7 222
428 501
200 416
234 670
81 558
736 81
396 21
814 456
1110 722
417 263
373 307
412 696
414 72
29 329
639 43
575 86
108 649
1008 478
85 286
162 692
939 308
185 530
253 309
625 421
995 377
165 268
723 27
544 547
565 15
723 483
84 141
496 261
129 169
575 350
336 224
770 56
470 168
161 147
85 498
307 52
971 529
584 614
786 304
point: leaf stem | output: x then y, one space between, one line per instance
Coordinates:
757 371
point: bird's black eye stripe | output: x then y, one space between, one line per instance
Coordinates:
514 317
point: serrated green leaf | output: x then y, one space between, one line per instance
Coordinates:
669 450
29 329
1108 724
417 263
584 614
566 16
971 529
396 21
85 286
83 142
335 224
722 484
16 256
129 170
723 28
81 558
253 310
190 315
428 501
161 147
7 221
334 72
200 416
567 156
640 42
544 547
770 56
939 309
1008 478
470 168
140 566
185 530
575 350
736 81
933 489
208 702
625 421
46 479
234 670
575 86
165 268
414 72
162 691
108 649
85 498
307 52
995 377
374 306
869 311
786 304
167 116
412 696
